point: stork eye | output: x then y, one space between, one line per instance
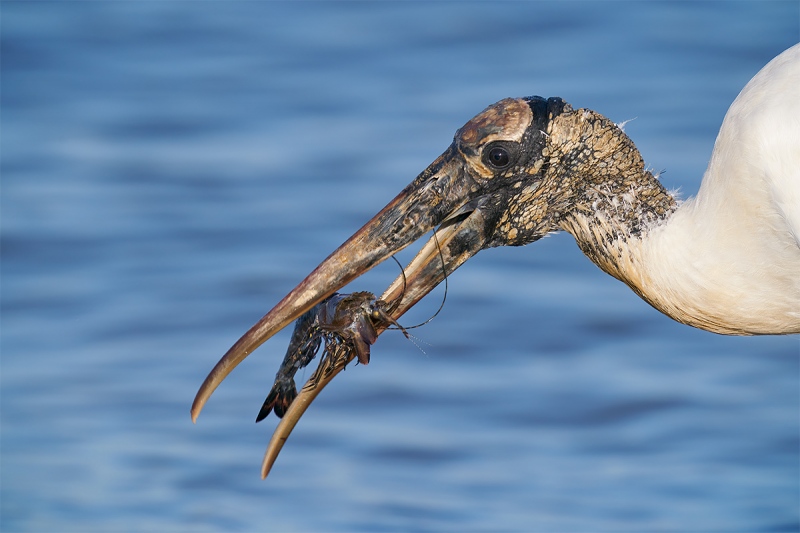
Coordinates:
499 156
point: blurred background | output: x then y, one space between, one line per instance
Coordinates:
171 169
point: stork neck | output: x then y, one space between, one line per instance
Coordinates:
620 214
612 224
614 199
711 262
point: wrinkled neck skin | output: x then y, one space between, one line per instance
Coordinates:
629 225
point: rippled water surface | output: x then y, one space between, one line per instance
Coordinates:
171 169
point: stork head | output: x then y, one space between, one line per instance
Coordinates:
509 177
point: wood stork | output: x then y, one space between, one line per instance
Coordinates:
727 260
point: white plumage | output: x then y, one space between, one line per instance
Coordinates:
728 260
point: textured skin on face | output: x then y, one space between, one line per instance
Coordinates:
605 194
506 120
587 169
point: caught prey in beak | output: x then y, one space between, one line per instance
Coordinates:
464 193
517 171
463 196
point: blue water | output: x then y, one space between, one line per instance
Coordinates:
171 169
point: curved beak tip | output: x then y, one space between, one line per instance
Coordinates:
461 234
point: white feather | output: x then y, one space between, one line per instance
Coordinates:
728 260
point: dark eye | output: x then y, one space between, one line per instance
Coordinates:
499 155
